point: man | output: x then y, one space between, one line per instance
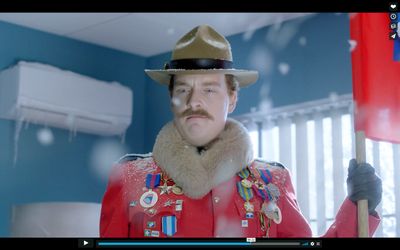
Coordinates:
201 179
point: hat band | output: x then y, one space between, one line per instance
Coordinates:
202 63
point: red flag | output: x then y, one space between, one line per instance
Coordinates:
376 77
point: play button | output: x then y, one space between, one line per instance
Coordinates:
85 243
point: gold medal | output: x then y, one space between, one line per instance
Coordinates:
177 190
248 206
246 183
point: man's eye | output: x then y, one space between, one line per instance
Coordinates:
181 91
209 90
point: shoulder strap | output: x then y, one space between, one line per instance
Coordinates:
133 157
271 163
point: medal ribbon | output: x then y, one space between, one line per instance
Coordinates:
262 193
244 173
245 193
266 175
152 180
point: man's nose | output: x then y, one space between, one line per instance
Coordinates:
195 100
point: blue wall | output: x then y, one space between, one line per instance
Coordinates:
60 172
317 69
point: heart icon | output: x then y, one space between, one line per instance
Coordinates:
393 6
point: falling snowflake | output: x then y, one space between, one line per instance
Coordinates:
104 154
170 31
45 136
303 41
333 97
284 68
176 101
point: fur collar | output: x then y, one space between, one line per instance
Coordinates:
198 173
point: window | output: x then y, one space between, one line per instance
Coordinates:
315 141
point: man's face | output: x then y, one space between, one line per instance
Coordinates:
201 104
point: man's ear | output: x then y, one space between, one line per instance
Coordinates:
232 101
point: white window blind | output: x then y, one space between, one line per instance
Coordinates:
315 141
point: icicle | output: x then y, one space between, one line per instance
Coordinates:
75 130
18 125
122 136
70 135
26 125
71 125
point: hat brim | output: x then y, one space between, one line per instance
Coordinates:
244 77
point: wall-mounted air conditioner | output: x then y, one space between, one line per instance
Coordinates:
44 94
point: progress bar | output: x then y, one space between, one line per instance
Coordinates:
199 243
294 244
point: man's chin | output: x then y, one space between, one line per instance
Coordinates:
198 143
197 139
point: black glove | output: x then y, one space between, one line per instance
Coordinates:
363 183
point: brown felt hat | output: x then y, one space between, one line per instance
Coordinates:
202 51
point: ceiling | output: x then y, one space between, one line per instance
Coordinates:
144 34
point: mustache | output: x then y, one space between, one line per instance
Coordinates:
200 112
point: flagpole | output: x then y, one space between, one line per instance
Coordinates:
362 205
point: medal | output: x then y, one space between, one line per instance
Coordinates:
244 174
165 189
248 206
177 190
169 225
246 183
150 198
247 195
272 211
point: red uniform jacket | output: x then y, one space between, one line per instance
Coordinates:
220 213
